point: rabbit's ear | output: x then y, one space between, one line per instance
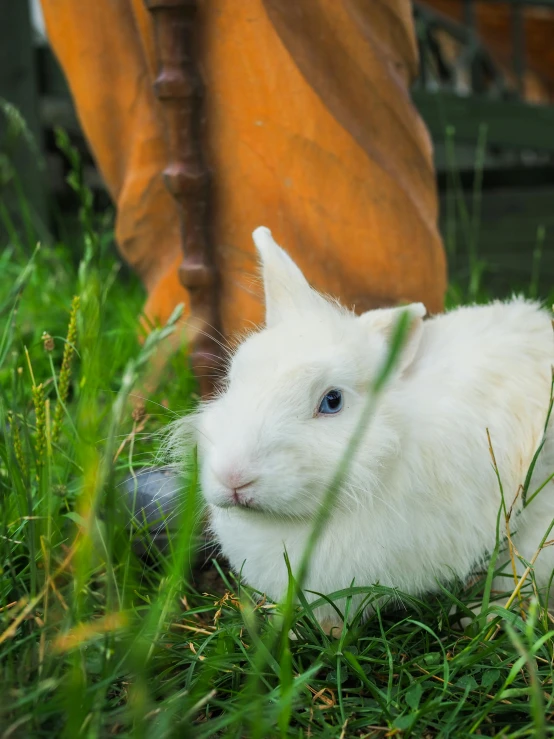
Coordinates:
287 292
384 320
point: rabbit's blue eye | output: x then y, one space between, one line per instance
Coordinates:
331 403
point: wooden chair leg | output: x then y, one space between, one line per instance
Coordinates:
179 88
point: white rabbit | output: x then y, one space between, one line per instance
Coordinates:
420 501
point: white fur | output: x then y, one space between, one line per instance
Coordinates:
420 500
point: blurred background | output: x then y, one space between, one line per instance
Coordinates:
485 90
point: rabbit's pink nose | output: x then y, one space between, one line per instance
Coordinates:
235 480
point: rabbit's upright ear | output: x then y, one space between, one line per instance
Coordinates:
287 292
384 320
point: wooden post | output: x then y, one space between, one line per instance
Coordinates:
180 90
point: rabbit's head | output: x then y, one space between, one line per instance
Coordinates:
272 441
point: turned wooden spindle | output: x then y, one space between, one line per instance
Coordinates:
179 88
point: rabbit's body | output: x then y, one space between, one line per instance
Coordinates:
420 501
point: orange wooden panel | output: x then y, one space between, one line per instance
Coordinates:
309 130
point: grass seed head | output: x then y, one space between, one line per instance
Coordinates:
48 342
40 432
65 372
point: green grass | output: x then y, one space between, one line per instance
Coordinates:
97 642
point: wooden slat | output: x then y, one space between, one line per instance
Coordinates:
507 237
509 123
